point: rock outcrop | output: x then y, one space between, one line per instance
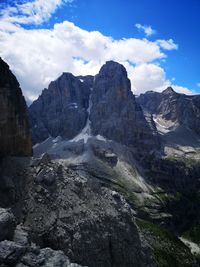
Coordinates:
115 114
15 137
7 224
92 224
14 254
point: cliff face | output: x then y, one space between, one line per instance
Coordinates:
106 102
61 109
115 113
15 137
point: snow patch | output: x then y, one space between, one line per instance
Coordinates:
194 248
73 105
164 126
101 138
85 134
57 139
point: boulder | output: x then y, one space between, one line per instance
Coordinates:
7 224
10 252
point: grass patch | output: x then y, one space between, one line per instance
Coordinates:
168 250
193 234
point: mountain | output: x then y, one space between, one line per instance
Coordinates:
115 113
15 137
106 100
61 109
177 119
181 109
110 181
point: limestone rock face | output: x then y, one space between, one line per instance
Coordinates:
61 109
179 108
15 137
115 113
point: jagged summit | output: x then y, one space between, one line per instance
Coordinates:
61 109
112 69
173 107
105 103
169 90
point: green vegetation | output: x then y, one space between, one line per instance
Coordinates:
172 158
168 250
193 234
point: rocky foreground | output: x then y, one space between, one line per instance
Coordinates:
110 182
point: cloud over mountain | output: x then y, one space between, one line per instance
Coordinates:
39 55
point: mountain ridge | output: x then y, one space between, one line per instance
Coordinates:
108 183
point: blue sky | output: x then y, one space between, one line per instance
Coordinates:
161 45
176 19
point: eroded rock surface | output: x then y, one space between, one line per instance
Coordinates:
92 224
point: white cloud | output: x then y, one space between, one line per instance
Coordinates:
147 29
182 90
151 77
147 77
34 12
167 44
38 56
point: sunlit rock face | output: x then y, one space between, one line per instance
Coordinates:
15 137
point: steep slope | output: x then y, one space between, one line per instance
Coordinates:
87 219
102 190
15 137
177 120
115 113
61 109
180 109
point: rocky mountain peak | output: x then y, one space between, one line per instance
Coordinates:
173 107
112 69
115 113
61 109
106 105
112 83
169 91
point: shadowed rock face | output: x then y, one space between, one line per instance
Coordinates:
115 113
183 109
61 109
15 137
